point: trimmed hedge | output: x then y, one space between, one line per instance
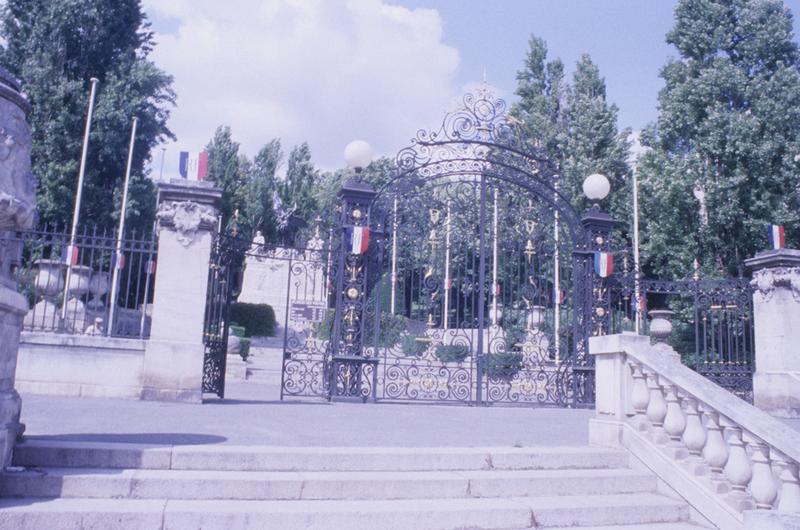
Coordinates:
257 319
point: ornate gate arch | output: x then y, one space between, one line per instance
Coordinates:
478 283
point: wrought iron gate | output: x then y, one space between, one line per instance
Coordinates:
226 255
476 285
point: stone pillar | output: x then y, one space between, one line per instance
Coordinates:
776 308
188 214
17 212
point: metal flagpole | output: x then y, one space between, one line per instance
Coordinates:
394 255
76 212
121 230
494 263
447 268
636 286
556 285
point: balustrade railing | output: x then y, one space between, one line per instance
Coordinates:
722 454
93 264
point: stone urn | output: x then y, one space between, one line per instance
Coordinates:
661 329
496 314
99 285
535 319
49 283
78 287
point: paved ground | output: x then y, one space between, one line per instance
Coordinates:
252 415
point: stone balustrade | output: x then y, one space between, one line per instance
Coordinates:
737 465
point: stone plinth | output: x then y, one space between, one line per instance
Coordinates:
776 308
187 219
17 212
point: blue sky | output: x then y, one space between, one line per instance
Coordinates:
327 71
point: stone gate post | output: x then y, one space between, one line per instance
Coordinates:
17 212
776 311
188 214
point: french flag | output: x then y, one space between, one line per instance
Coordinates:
150 267
358 238
69 255
118 261
604 264
777 237
193 166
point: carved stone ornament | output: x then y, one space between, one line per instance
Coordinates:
765 281
17 183
186 218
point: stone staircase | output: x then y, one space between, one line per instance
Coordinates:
265 362
59 485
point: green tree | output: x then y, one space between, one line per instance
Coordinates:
55 47
724 161
575 126
261 187
298 189
591 143
226 172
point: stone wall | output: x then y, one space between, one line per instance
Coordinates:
80 365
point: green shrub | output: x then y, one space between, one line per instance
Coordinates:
412 347
503 364
452 353
257 319
236 329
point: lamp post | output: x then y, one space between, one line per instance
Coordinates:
346 378
598 225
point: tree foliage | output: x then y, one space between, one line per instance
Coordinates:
575 126
55 47
727 134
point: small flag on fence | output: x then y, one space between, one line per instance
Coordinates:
358 238
777 236
118 261
448 284
193 166
560 295
69 255
150 267
604 264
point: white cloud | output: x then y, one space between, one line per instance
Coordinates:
325 71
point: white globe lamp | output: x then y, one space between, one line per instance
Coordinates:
358 154
596 187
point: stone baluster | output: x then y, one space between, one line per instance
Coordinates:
762 486
640 395
694 436
675 422
739 469
790 484
656 407
715 451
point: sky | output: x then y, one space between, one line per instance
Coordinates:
330 71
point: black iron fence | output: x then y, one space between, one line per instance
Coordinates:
96 286
711 320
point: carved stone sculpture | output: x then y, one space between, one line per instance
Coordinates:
186 218
17 212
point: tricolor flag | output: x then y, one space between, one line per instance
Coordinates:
118 261
777 236
604 264
194 166
150 267
358 239
560 295
69 255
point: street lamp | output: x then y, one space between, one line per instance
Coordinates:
358 155
596 187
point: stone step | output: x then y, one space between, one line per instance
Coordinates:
419 514
351 485
55 453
